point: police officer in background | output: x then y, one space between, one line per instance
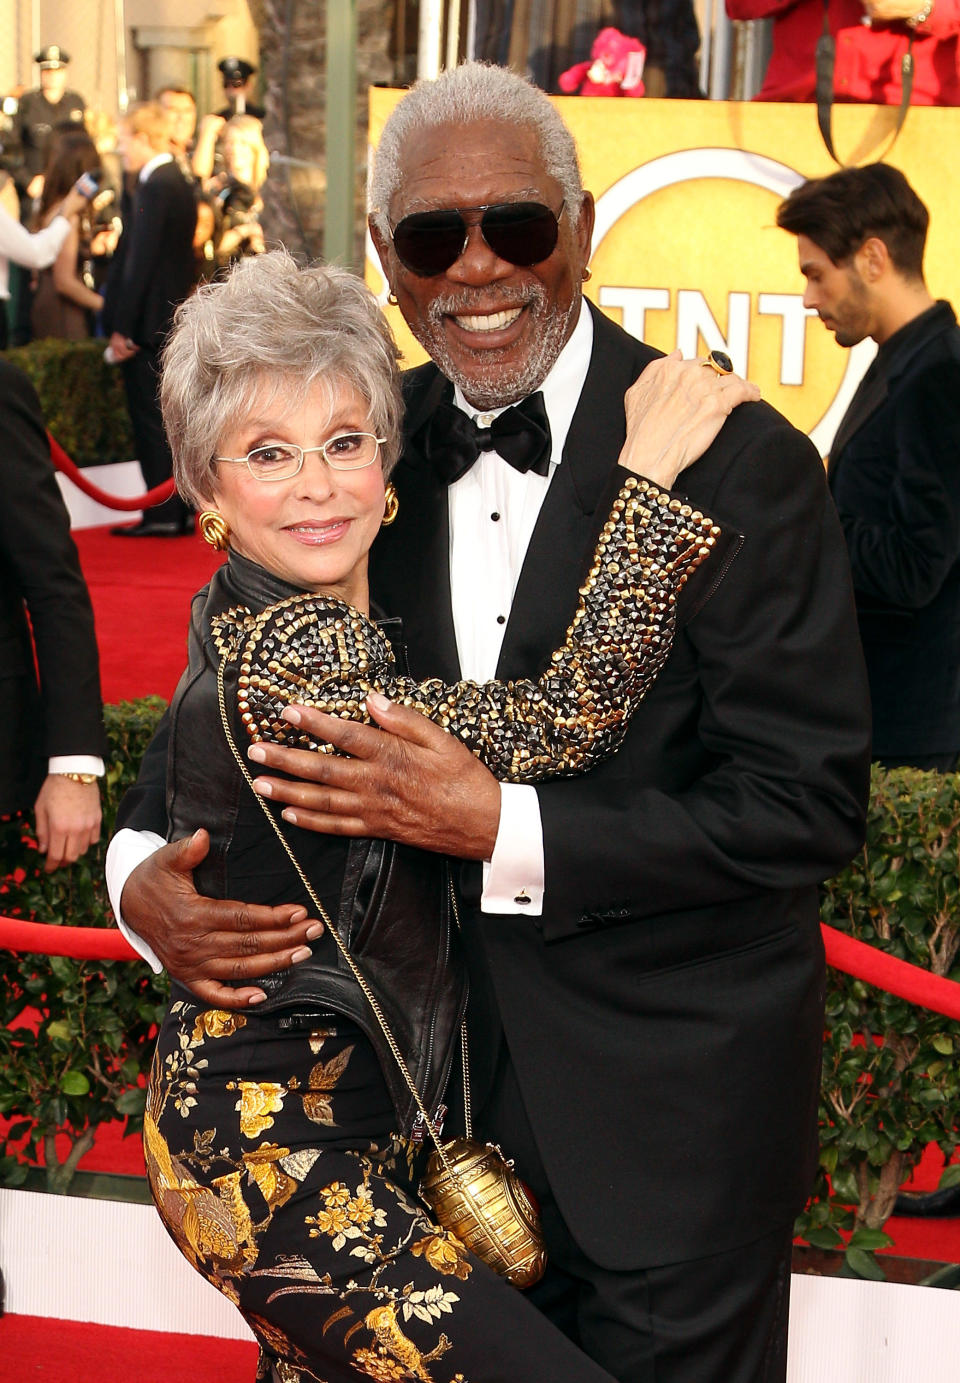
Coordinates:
39 113
238 76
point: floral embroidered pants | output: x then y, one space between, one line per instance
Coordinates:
272 1165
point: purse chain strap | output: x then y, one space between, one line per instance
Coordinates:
368 993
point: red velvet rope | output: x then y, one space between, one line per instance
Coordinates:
69 468
899 977
856 958
82 943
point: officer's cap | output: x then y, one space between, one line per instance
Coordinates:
52 56
235 71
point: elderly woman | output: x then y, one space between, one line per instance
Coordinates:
283 1142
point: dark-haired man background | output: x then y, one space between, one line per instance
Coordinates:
894 468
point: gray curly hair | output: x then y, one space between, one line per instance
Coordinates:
271 321
462 95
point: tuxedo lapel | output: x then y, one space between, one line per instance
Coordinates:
410 560
563 540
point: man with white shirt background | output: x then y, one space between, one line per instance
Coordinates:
151 274
52 738
645 958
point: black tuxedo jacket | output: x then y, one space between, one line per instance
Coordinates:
895 476
664 1015
153 269
39 566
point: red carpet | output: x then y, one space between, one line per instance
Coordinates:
141 590
34 1348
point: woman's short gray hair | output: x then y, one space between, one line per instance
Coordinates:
460 96
271 321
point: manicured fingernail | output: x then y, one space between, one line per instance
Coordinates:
301 953
263 787
378 702
257 753
314 930
292 714
256 999
290 815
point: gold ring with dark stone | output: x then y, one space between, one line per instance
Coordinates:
718 361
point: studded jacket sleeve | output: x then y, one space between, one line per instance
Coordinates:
320 653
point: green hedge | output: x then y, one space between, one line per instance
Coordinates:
81 1056
891 1078
82 398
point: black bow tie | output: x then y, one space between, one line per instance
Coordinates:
452 442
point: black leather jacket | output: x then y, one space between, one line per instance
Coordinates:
391 904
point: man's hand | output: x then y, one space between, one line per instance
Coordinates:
123 348
204 942
68 819
415 784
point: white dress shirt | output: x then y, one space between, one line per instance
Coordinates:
493 510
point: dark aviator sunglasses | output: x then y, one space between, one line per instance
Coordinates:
522 233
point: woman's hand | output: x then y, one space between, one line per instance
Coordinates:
674 411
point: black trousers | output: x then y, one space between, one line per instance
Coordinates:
721 1319
141 383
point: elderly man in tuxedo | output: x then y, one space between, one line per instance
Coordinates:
646 962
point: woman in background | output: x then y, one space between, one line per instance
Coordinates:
31 251
63 302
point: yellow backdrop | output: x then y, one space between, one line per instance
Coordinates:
687 252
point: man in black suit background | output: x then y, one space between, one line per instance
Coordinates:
894 467
52 740
152 273
646 962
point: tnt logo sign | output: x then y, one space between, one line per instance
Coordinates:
686 252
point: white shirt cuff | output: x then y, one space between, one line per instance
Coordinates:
513 876
76 763
127 850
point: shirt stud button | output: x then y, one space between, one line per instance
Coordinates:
501 619
495 516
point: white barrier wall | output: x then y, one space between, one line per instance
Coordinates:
94 1260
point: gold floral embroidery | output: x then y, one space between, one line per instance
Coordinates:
219 1201
379 1366
258 1102
217 1022
324 1077
445 1254
263 1164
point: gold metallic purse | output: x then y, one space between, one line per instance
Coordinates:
470 1187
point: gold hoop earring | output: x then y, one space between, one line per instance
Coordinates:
391 506
214 529
393 300
587 274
